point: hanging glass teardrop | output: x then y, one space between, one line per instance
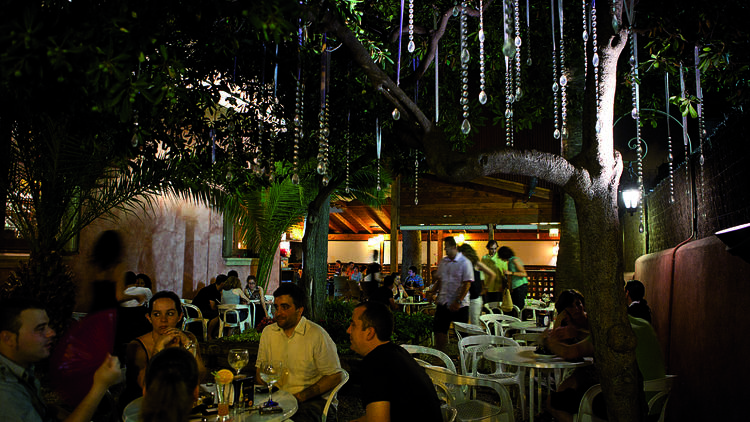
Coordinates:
585 36
641 229
563 80
295 179
483 97
321 168
555 87
325 132
528 61
632 60
297 120
634 113
615 24
465 56
229 176
670 156
518 41
134 140
411 47
396 114
465 127
455 10
598 126
557 134
347 190
416 201
481 35
595 60
519 93
508 113
325 180
702 159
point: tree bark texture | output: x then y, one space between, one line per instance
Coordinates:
315 256
411 252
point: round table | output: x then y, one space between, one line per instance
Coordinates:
286 400
408 305
525 357
526 326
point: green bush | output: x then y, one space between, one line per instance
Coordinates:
411 328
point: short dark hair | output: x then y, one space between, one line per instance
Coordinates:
449 241
505 253
567 298
108 249
636 290
165 294
146 279
389 280
130 278
378 316
295 292
171 377
10 312
413 269
491 243
233 273
221 278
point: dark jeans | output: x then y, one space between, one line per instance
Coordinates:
444 316
312 411
519 295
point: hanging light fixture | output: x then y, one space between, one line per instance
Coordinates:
631 197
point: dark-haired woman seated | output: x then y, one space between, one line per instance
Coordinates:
171 386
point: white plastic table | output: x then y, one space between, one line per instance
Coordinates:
408 305
525 357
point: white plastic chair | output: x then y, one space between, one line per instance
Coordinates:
494 307
193 314
528 339
494 323
453 388
471 351
656 404
422 350
463 329
225 310
332 396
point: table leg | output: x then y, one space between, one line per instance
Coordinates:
531 394
539 390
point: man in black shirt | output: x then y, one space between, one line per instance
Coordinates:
637 305
394 386
209 298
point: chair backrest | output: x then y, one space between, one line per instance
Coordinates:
332 396
463 329
656 405
494 323
234 310
494 307
449 413
445 380
528 339
191 311
470 350
340 286
422 350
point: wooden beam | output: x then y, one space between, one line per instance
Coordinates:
359 221
344 221
376 218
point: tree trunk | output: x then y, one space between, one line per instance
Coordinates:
315 253
568 274
412 252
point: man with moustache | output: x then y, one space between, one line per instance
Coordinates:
26 339
311 362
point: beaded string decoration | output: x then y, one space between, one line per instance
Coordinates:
699 94
528 35
378 143
411 47
396 114
585 37
509 52
670 155
346 136
636 111
298 109
595 64
416 177
563 80
323 131
482 93
555 86
437 68
683 93
517 41
465 125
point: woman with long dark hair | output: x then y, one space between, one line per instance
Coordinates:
171 386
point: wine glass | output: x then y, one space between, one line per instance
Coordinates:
238 359
270 373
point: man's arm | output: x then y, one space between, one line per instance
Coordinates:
107 375
379 411
323 385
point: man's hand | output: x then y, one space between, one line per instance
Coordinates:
455 306
109 373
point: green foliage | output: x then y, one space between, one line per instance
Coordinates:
412 328
338 316
248 336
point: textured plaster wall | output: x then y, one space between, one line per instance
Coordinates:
704 336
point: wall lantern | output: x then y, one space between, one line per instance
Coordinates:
630 198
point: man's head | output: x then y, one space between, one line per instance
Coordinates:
164 311
492 247
233 273
130 279
634 291
289 304
449 244
412 271
389 280
220 279
371 326
25 334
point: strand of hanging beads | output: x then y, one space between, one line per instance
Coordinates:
595 63
563 82
326 134
517 41
585 37
670 155
465 126
555 86
508 103
411 47
482 93
346 136
416 178
297 131
528 35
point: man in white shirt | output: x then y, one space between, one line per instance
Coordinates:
306 350
454 276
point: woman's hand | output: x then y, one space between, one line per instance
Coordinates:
171 338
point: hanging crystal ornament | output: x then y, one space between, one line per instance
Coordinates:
595 65
683 93
508 102
699 94
555 86
416 177
563 80
298 109
670 155
455 8
615 22
378 143
528 35
396 114
346 136
635 113
585 37
322 168
465 57
136 139
411 47
517 42
509 49
482 93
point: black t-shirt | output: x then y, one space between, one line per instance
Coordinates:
203 298
391 374
372 268
383 295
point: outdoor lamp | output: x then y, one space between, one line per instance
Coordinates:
631 197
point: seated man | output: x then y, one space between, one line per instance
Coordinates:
637 305
394 387
209 298
413 280
307 351
164 314
25 339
